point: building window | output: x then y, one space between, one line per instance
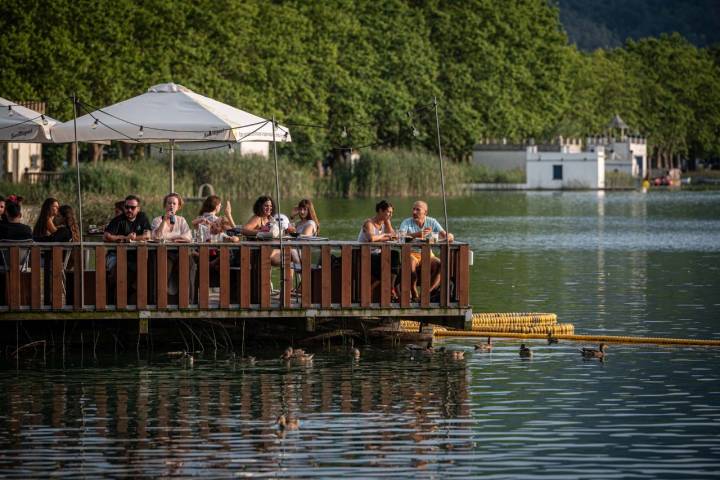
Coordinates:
35 161
557 172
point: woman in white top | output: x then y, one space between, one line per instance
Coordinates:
308 224
171 227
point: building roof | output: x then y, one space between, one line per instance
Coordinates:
618 122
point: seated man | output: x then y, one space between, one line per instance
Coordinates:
14 229
131 225
421 226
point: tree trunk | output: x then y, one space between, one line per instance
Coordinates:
124 150
71 155
320 169
97 153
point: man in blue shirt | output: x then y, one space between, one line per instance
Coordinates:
421 226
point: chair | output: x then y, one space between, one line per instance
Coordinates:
24 255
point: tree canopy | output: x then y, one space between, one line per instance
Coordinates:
348 73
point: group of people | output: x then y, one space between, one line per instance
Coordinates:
57 223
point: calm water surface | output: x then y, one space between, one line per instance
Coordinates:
624 263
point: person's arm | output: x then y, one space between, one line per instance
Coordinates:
368 228
228 214
250 228
110 234
184 234
50 227
158 227
389 227
199 221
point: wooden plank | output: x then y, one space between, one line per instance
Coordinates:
265 266
142 283
445 264
224 260
365 276
463 276
35 278
161 278
326 272
425 276
183 277
57 278
405 275
14 279
287 277
306 261
100 288
346 275
77 278
121 278
204 280
385 277
244 277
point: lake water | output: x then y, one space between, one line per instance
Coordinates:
618 263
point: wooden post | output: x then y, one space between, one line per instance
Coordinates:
405 275
287 278
462 282
306 261
265 266
224 277
385 276
204 280
77 278
141 283
183 277
14 279
244 277
35 278
326 273
57 278
346 274
425 276
162 277
365 276
121 277
445 264
100 288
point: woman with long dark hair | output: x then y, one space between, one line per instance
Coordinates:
308 224
45 224
67 229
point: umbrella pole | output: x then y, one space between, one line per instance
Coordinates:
277 204
172 166
79 269
442 184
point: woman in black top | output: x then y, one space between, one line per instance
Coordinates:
45 225
67 228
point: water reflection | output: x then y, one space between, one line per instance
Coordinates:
388 414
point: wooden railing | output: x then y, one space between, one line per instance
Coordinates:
232 277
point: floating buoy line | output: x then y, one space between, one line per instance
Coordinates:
530 325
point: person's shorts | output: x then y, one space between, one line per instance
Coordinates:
417 256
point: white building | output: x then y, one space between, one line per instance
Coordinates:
17 159
623 153
566 169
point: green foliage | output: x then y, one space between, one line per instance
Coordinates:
619 180
497 68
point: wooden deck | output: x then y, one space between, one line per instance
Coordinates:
333 280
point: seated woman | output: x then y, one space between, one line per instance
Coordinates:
308 224
67 227
210 213
172 228
263 213
45 224
379 229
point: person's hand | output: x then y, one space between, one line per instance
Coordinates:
131 236
291 229
228 208
426 231
450 237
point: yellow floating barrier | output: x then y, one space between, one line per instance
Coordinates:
584 338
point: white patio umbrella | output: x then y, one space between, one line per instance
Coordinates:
20 124
170 113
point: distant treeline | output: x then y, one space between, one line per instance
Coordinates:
498 69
